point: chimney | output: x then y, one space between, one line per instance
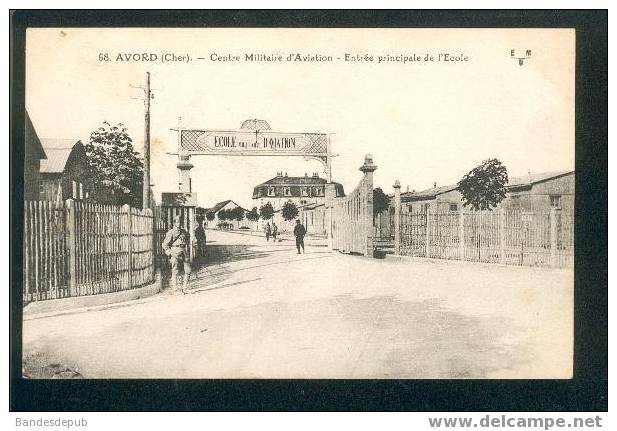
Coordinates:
407 188
529 175
315 175
285 173
305 175
435 185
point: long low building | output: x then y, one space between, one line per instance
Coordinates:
532 192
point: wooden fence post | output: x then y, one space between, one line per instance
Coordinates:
129 240
367 169
330 195
72 243
397 217
461 234
502 235
427 251
553 236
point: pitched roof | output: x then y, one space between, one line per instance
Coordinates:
429 193
59 143
32 140
220 205
58 152
280 180
513 182
535 178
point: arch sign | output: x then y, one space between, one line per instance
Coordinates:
254 138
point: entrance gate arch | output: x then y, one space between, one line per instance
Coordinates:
255 138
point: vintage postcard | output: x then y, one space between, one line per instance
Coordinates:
321 203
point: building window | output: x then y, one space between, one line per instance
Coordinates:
304 191
271 191
287 191
555 201
453 207
74 194
41 191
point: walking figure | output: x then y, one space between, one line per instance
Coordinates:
268 231
275 231
176 245
200 240
299 232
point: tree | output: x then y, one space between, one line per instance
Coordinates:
381 201
210 215
253 215
236 214
115 171
484 187
266 211
289 211
222 215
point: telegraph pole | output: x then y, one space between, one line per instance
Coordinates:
146 178
146 189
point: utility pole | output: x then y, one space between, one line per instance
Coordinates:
146 192
146 178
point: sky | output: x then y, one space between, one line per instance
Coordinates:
424 122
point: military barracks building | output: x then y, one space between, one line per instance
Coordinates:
64 171
532 192
308 193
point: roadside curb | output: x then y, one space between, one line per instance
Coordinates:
61 306
415 259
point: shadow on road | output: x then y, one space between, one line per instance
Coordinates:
216 254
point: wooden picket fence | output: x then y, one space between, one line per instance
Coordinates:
500 236
75 249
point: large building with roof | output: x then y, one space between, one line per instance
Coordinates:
64 171
308 191
531 192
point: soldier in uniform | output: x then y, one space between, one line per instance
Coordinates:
299 232
175 245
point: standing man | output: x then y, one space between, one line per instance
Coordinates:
200 239
268 231
299 232
176 245
275 231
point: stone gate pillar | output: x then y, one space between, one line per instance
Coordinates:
367 183
184 166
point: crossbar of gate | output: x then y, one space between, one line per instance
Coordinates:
352 216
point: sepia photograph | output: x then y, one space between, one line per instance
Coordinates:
299 203
296 210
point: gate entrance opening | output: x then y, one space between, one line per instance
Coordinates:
254 138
